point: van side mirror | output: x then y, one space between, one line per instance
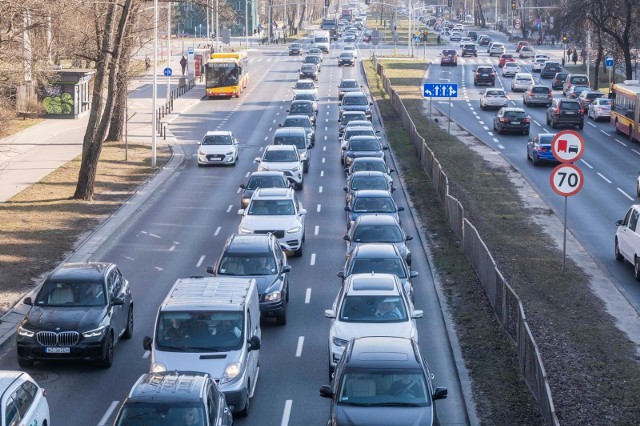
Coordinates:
418 313
146 343
413 274
329 313
618 223
210 270
243 186
254 343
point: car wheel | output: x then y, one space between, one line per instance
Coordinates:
638 189
581 126
305 168
128 332
636 268
245 411
481 106
524 101
548 120
107 358
25 363
298 253
535 160
282 318
618 255
553 125
300 185
526 132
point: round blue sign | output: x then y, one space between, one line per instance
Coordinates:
167 72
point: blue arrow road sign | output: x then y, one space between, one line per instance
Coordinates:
608 62
167 72
438 90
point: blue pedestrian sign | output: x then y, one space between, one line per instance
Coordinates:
440 90
608 62
167 72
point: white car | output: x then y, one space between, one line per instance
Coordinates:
510 69
521 81
541 56
351 48
284 158
493 98
465 40
305 86
278 211
369 305
218 147
538 64
496 49
527 52
23 401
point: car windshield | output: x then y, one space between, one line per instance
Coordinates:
299 142
199 331
312 59
377 234
348 117
374 205
369 182
369 166
515 114
303 107
305 85
378 266
297 122
348 84
308 68
271 208
573 106
578 89
346 55
242 264
305 97
278 156
71 294
363 145
383 387
256 182
358 132
495 93
217 140
354 100
160 413
541 89
372 309
603 101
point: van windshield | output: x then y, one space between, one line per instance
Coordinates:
161 413
201 331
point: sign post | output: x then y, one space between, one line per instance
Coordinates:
567 179
439 90
609 64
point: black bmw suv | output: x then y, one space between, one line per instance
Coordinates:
80 313
484 74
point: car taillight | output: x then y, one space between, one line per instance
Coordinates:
531 93
557 110
550 95
542 149
504 120
526 120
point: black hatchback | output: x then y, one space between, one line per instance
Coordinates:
558 80
308 71
513 120
469 49
81 311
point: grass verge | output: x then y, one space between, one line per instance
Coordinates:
586 357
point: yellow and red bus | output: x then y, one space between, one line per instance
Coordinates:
625 108
226 74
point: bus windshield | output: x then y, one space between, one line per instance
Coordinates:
222 74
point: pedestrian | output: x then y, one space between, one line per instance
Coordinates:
553 41
147 63
438 39
183 64
575 56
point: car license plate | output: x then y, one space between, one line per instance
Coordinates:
515 122
57 350
571 112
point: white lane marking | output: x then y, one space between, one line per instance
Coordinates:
587 164
608 134
481 122
248 174
495 139
625 194
299 347
321 173
146 354
323 160
320 190
307 296
475 113
591 124
536 123
318 208
602 176
327 112
620 142
287 412
326 120
325 129
108 413
266 137
500 146
172 248
316 230
324 148
217 231
635 151
312 262
238 191
158 268
229 208
199 264
485 127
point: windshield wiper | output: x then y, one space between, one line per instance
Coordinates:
394 404
356 404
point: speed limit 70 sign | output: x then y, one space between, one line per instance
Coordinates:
566 180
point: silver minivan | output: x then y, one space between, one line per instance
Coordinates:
212 325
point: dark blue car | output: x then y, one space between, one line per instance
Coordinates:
539 149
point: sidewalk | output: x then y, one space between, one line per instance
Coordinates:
28 156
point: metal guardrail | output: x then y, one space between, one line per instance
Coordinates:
505 302
167 107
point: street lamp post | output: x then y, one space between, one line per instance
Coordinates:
246 23
154 123
168 49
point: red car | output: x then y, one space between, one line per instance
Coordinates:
520 45
504 58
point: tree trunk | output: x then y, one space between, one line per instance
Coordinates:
596 65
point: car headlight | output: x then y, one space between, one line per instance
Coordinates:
243 230
339 342
200 152
229 153
94 333
158 367
263 168
273 296
231 372
23 332
296 169
294 229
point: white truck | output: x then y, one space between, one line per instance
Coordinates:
321 40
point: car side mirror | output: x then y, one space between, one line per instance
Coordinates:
384 148
325 392
117 301
199 143
393 188
241 211
340 274
254 343
413 274
418 313
344 148
243 186
392 170
210 270
28 301
618 223
440 393
408 238
256 160
347 208
286 268
146 343
280 125
303 211
329 313
400 209
287 110
345 189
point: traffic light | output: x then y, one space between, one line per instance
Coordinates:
564 38
449 3
514 4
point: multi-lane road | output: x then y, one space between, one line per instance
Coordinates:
182 228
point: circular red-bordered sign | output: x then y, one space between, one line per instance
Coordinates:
567 146
566 180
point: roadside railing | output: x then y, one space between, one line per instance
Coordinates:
167 107
505 302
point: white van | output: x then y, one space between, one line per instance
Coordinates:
627 240
321 40
211 324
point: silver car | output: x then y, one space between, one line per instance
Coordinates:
521 81
599 108
493 98
537 94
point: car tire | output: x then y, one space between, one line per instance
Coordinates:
107 359
128 332
581 126
300 185
636 268
245 410
535 160
298 253
553 125
305 168
25 363
526 132
617 253
282 318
